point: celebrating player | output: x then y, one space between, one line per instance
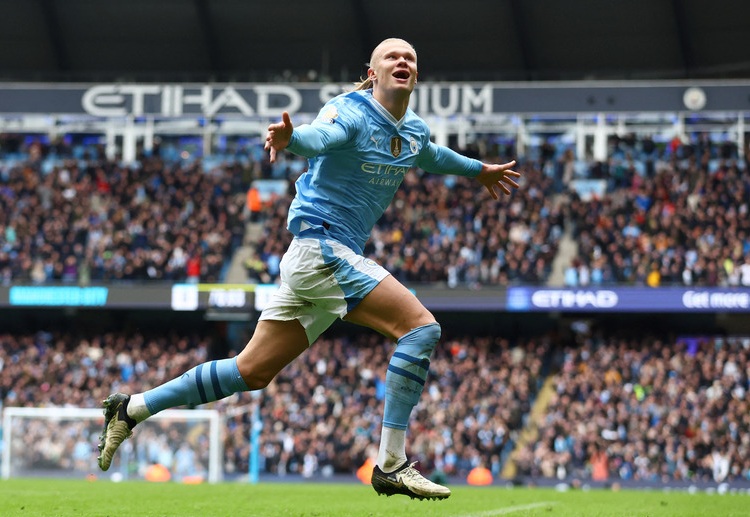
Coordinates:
359 148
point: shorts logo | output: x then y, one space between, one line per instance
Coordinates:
370 263
413 146
395 146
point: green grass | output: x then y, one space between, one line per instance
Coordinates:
63 498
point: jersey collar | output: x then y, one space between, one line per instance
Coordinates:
384 112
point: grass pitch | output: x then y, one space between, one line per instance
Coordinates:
74 498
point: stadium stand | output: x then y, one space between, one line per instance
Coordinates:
100 221
328 404
648 409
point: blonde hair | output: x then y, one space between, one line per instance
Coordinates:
363 84
366 83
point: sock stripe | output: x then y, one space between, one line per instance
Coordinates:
199 383
215 382
422 363
406 373
203 383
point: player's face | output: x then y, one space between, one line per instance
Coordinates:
394 66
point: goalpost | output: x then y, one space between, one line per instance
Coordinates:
63 442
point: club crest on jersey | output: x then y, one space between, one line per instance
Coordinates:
413 146
395 146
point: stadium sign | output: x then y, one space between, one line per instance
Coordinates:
176 101
262 100
268 100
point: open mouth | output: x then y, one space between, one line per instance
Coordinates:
401 74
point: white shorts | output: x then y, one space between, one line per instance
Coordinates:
321 280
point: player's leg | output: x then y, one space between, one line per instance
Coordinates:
340 282
394 311
286 328
373 298
391 309
274 345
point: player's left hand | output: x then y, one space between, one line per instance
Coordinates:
498 176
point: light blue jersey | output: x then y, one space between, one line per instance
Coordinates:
358 155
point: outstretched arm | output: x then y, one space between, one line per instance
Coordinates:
495 175
438 159
307 140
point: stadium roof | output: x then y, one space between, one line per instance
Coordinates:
251 40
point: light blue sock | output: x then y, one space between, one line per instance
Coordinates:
204 383
407 372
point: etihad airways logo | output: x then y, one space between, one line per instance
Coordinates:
384 174
565 299
382 169
522 298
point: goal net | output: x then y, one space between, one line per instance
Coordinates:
177 445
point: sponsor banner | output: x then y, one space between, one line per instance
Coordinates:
109 296
629 299
177 297
247 298
43 296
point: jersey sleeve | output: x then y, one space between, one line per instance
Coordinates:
438 159
334 126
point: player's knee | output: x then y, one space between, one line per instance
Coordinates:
255 381
255 378
421 341
432 333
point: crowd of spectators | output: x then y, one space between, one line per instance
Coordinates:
322 415
647 410
673 214
644 409
449 230
99 220
679 217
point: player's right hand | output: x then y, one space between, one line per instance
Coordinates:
278 136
